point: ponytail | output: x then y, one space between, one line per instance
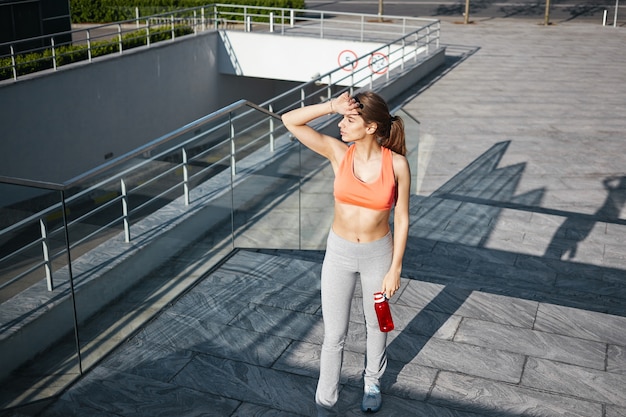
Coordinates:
396 141
390 130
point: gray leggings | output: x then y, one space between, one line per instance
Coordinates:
343 263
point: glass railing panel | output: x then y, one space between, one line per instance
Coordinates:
36 318
316 198
173 218
265 199
266 206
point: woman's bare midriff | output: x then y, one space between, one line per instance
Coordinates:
360 224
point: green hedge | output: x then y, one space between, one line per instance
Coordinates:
106 11
28 63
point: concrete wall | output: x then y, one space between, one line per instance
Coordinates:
60 124
301 59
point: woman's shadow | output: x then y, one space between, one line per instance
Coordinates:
577 227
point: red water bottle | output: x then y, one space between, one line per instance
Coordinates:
385 322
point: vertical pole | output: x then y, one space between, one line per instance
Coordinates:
137 17
232 206
172 23
271 22
362 28
282 22
148 32
46 254
119 36
125 212
615 16
546 20
300 196
185 177
233 169
329 89
54 55
13 63
272 145
467 12
292 18
88 45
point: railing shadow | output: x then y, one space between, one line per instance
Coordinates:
447 246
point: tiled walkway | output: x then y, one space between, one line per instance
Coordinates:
514 292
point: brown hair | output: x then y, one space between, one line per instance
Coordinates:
390 129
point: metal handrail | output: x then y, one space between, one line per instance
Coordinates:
209 17
163 141
408 48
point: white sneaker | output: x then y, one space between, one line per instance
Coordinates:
372 400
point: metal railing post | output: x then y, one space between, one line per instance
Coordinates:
46 254
137 17
329 90
172 24
13 66
88 45
272 146
125 211
119 35
403 54
54 55
148 32
271 22
185 176
282 22
362 28
233 169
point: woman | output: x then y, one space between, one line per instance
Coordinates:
371 176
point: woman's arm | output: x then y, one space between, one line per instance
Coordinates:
391 281
296 122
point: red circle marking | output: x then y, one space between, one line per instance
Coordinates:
345 57
378 63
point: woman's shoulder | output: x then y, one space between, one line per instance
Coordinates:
399 161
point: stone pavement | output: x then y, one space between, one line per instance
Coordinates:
513 300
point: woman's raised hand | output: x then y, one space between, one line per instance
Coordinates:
344 104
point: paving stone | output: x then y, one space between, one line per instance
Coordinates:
533 343
577 322
576 381
490 398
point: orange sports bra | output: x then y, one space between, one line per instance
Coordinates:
379 194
